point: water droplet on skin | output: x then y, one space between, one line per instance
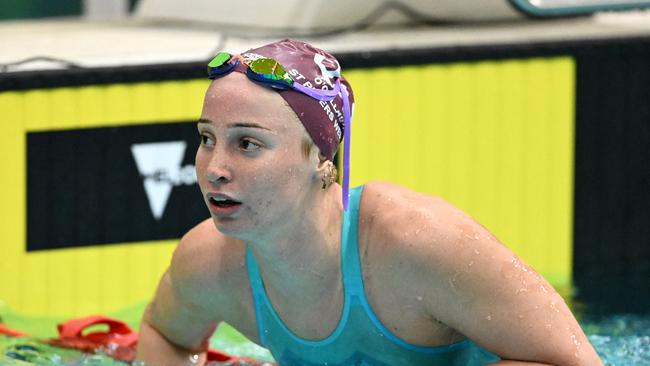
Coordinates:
548 326
521 290
489 317
476 252
543 289
417 231
575 340
471 263
420 298
520 316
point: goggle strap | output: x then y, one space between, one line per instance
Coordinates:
347 120
319 94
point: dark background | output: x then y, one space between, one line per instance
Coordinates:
84 188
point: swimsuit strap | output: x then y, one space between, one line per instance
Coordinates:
351 264
257 289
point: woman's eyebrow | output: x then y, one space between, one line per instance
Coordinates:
238 124
248 125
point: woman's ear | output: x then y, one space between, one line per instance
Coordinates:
322 164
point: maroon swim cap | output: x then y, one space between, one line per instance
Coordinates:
313 68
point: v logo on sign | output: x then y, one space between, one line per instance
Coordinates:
158 164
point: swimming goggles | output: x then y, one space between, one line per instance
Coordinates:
269 72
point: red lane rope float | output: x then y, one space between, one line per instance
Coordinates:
10 332
118 342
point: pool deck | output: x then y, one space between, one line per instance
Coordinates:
136 41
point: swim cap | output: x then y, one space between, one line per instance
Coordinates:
313 68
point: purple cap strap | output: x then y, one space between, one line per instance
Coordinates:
346 146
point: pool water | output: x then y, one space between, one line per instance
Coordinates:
620 340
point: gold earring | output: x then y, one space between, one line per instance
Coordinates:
330 175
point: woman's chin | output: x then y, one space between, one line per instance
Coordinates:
233 227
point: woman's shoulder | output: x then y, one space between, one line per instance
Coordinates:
388 202
403 219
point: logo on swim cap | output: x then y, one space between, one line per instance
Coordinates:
328 75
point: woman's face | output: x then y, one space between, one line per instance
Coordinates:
250 165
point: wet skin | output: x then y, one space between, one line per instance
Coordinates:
432 274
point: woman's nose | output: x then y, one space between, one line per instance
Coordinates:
218 172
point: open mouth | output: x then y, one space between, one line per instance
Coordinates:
223 202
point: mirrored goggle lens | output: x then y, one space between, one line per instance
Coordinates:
270 69
220 59
219 65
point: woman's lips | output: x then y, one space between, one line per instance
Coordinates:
222 204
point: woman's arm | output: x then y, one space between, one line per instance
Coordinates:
494 298
472 283
173 332
184 313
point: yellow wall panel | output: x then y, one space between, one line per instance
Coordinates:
12 195
112 105
493 137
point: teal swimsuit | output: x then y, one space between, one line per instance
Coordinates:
359 338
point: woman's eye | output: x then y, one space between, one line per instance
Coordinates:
249 145
205 139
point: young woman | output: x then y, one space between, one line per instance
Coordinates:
319 275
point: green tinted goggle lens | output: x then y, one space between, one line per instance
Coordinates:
270 69
220 59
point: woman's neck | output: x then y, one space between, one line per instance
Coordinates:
303 257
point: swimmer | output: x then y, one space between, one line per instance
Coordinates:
320 274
